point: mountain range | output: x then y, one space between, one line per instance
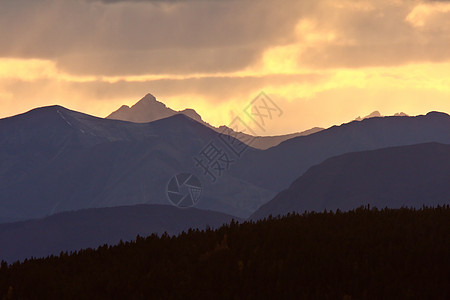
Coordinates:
377 114
276 168
149 109
53 159
406 176
70 180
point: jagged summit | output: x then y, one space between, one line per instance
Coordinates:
147 100
148 109
149 96
191 113
377 114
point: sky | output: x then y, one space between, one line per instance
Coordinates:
323 62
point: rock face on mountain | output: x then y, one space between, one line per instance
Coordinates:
53 159
410 176
90 228
148 109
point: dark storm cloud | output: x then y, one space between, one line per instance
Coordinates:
160 1
229 35
134 37
382 35
167 61
217 89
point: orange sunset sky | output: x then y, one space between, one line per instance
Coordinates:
323 62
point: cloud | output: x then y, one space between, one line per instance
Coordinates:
198 36
335 57
163 61
151 37
150 1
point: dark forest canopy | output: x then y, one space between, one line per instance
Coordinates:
361 254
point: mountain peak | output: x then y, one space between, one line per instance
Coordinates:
191 113
149 101
374 114
147 109
148 98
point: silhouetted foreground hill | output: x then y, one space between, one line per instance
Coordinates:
410 176
70 231
362 254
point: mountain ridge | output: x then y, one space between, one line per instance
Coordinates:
404 176
294 156
53 159
91 228
149 109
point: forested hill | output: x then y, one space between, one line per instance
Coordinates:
361 254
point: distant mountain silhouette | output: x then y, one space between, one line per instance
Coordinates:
266 142
53 159
377 114
71 231
149 109
374 114
276 168
410 176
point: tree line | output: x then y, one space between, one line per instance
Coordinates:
365 253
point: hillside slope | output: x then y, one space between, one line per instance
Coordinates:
72 231
410 176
